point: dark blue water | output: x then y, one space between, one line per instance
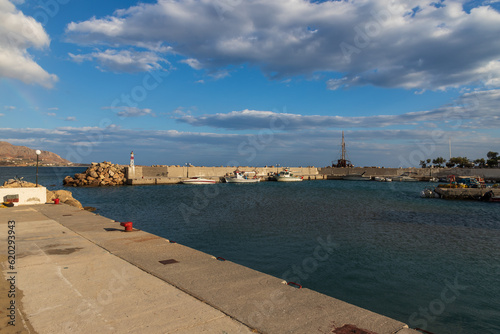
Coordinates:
433 264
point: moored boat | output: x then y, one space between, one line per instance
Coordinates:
356 177
286 176
242 177
405 177
198 180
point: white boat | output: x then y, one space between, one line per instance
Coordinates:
286 176
404 178
356 177
429 193
198 180
242 177
382 179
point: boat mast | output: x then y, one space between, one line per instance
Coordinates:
343 147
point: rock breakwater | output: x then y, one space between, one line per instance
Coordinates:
98 174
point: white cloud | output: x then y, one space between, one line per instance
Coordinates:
18 33
132 111
367 42
70 119
123 60
470 109
9 107
2 115
193 63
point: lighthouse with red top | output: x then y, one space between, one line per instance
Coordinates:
132 164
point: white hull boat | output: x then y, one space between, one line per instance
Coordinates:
198 180
356 177
404 179
286 176
242 177
382 179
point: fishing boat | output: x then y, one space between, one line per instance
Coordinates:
242 177
356 177
198 180
286 176
405 177
382 179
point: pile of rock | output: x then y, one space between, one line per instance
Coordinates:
19 183
98 174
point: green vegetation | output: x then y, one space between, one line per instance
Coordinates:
463 162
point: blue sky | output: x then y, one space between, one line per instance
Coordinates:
234 82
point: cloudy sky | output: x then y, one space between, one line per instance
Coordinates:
251 82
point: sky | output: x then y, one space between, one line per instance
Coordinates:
251 82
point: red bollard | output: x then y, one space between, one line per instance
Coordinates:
127 225
56 200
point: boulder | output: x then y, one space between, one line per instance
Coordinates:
80 176
68 181
74 202
64 196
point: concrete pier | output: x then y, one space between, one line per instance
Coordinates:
465 193
81 273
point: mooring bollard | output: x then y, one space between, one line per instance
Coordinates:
127 225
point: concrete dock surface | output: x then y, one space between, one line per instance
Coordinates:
78 272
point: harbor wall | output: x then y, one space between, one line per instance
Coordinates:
140 175
173 174
420 173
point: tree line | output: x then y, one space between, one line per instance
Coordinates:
491 161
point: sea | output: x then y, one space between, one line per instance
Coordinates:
431 263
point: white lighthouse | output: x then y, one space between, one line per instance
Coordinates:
132 164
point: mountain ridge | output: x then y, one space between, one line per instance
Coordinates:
15 155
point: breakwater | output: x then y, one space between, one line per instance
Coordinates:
143 175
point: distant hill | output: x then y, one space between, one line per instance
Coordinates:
13 155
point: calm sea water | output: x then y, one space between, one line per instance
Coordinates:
433 264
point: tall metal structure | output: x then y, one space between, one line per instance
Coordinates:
343 162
